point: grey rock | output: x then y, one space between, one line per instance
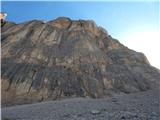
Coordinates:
94 112
68 58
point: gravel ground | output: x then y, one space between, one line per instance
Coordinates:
137 106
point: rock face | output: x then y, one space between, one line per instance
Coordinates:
66 58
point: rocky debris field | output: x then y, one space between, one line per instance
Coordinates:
135 106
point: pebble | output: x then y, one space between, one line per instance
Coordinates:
114 100
94 112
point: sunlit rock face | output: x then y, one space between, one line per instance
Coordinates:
65 58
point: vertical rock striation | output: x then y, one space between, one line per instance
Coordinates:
66 58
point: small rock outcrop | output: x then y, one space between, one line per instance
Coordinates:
65 58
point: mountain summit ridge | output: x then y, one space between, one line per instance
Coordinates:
65 58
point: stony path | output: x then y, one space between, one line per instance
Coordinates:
137 106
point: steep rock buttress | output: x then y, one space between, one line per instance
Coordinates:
65 58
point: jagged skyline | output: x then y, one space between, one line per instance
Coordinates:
123 20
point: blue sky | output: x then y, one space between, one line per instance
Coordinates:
123 20
116 17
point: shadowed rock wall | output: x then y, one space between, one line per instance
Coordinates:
66 58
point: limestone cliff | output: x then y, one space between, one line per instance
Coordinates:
66 58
